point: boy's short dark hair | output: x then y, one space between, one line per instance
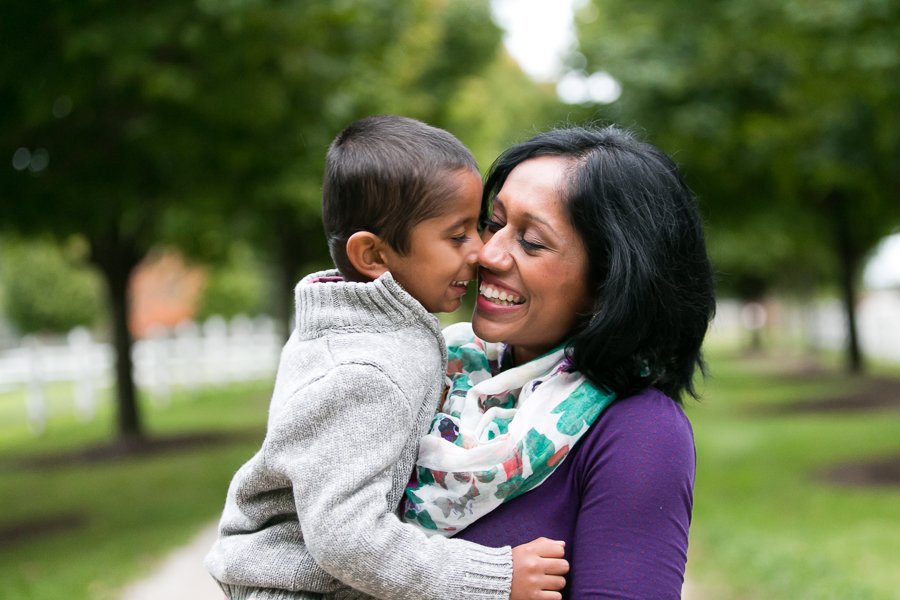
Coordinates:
386 174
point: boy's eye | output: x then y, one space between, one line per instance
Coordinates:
462 239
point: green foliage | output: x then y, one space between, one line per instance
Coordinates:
782 114
239 286
189 121
173 105
501 107
47 289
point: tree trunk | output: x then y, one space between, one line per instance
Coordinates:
288 267
849 257
298 242
848 292
116 258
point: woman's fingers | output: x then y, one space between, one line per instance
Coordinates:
547 595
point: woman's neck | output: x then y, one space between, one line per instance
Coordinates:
519 355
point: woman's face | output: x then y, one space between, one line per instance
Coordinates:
534 260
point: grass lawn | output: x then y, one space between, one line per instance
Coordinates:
132 511
764 526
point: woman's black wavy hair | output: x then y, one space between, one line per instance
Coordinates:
648 266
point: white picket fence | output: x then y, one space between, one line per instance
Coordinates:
218 352
188 356
821 324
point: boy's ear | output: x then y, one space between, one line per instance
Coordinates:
366 253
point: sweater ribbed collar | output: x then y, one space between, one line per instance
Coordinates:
381 305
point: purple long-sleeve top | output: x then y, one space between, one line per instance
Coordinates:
622 502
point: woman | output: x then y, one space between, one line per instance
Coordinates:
593 245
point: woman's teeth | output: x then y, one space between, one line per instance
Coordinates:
498 297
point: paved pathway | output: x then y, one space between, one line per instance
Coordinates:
689 591
181 576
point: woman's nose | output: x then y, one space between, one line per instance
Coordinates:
495 255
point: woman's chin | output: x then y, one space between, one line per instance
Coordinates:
486 328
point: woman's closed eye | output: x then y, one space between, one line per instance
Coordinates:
530 246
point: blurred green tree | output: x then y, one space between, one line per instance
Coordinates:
501 107
784 115
47 289
236 286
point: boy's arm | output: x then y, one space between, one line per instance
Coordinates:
338 450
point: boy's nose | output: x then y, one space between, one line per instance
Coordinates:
475 247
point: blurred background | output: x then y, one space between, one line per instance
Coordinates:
160 197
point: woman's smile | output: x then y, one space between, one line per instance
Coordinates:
493 293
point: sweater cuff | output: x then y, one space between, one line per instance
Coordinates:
488 574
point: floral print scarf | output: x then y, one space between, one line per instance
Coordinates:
496 436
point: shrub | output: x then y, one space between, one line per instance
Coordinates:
239 286
48 288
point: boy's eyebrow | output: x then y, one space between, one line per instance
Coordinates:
458 223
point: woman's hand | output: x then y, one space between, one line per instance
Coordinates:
538 569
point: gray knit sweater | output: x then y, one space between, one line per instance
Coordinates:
314 510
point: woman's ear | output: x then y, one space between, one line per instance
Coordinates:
366 253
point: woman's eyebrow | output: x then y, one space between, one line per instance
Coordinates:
529 215
546 225
534 217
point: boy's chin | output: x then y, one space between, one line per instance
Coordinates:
447 307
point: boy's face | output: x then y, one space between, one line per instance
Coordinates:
443 251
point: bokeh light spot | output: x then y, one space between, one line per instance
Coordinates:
39 161
603 88
21 159
577 61
600 88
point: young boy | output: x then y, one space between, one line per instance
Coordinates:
313 513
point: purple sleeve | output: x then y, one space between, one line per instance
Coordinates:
636 476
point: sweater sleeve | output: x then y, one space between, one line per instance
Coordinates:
338 455
631 533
